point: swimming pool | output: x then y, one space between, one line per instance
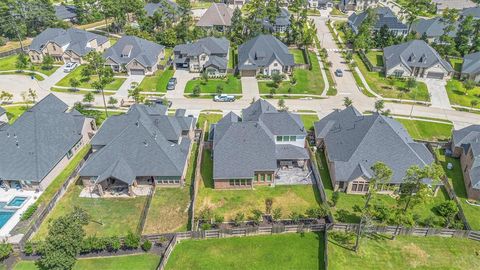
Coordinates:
17 201
5 215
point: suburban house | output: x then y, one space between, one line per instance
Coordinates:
442 5
143 148
208 54
281 23
353 5
164 7
385 17
3 117
258 147
134 55
218 16
353 143
471 67
66 45
466 146
415 59
264 55
40 143
472 11
66 13
432 29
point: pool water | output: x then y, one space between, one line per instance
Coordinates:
5 216
17 201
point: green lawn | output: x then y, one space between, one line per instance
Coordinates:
232 59
376 58
309 120
8 63
110 216
383 86
168 210
285 251
231 85
131 262
157 82
117 82
99 115
405 252
307 81
428 131
456 94
456 64
227 203
298 56
168 53
455 177
13 112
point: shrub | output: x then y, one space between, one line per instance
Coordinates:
206 226
93 244
113 243
3 41
238 219
132 241
28 248
318 212
219 219
147 245
5 250
29 212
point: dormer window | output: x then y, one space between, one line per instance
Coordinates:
411 58
127 50
423 59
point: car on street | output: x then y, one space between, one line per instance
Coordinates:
339 73
69 67
224 98
171 84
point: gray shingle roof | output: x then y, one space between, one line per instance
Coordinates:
355 142
130 48
218 14
65 12
76 39
147 141
473 11
262 51
466 135
217 62
208 45
34 144
385 16
283 19
2 111
243 147
415 53
433 28
164 6
474 171
471 63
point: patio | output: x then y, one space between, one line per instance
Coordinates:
293 176
7 196
118 192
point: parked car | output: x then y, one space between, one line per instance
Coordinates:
69 67
339 73
224 98
171 83
165 102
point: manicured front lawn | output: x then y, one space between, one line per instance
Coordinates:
9 63
283 251
109 216
307 81
427 131
455 177
308 120
117 82
168 210
230 85
227 203
146 261
99 115
297 56
383 86
456 64
405 252
458 95
13 112
157 82
376 58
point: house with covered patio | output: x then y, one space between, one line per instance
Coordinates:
138 150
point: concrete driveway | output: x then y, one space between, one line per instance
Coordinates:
183 76
250 88
438 93
123 90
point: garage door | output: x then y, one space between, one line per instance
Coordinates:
137 72
248 73
435 75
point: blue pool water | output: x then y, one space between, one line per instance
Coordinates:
5 216
17 201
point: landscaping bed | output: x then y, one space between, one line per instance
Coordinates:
458 95
230 85
157 82
427 131
283 251
115 85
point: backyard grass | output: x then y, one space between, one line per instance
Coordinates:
117 82
307 81
168 210
456 63
383 86
227 203
168 54
455 177
157 82
99 115
376 58
232 59
405 252
284 251
298 56
456 94
427 131
230 85
12 45
146 261
109 216
309 120
8 63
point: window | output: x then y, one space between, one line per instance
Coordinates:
293 138
231 182
262 176
279 138
202 58
354 187
365 188
269 178
286 138
177 181
275 64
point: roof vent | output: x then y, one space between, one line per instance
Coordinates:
145 143
137 124
16 143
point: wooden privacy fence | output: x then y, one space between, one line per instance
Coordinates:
146 207
12 52
369 64
168 251
198 176
318 182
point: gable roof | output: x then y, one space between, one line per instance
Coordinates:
432 28
34 144
146 139
76 39
385 16
256 109
472 11
65 12
469 138
471 63
262 51
163 6
354 142
453 4
414 53
208 45
218 14
129 48
283 19
2 111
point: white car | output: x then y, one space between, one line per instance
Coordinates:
70 67
224 98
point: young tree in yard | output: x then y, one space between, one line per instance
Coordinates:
411 83
268 205
448 210
277 79
63 241
112 101
135 93
281 105
219 89
469 85
6 96
22 61
32 94
89 98
473 103
347 102
204 77
238 219
74 83
276 214
236 30
256 216
196 90
96 65
47 62
335 198
25 98
379 105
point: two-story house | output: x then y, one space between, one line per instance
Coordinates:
208 54
384 17
252 149
66 45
